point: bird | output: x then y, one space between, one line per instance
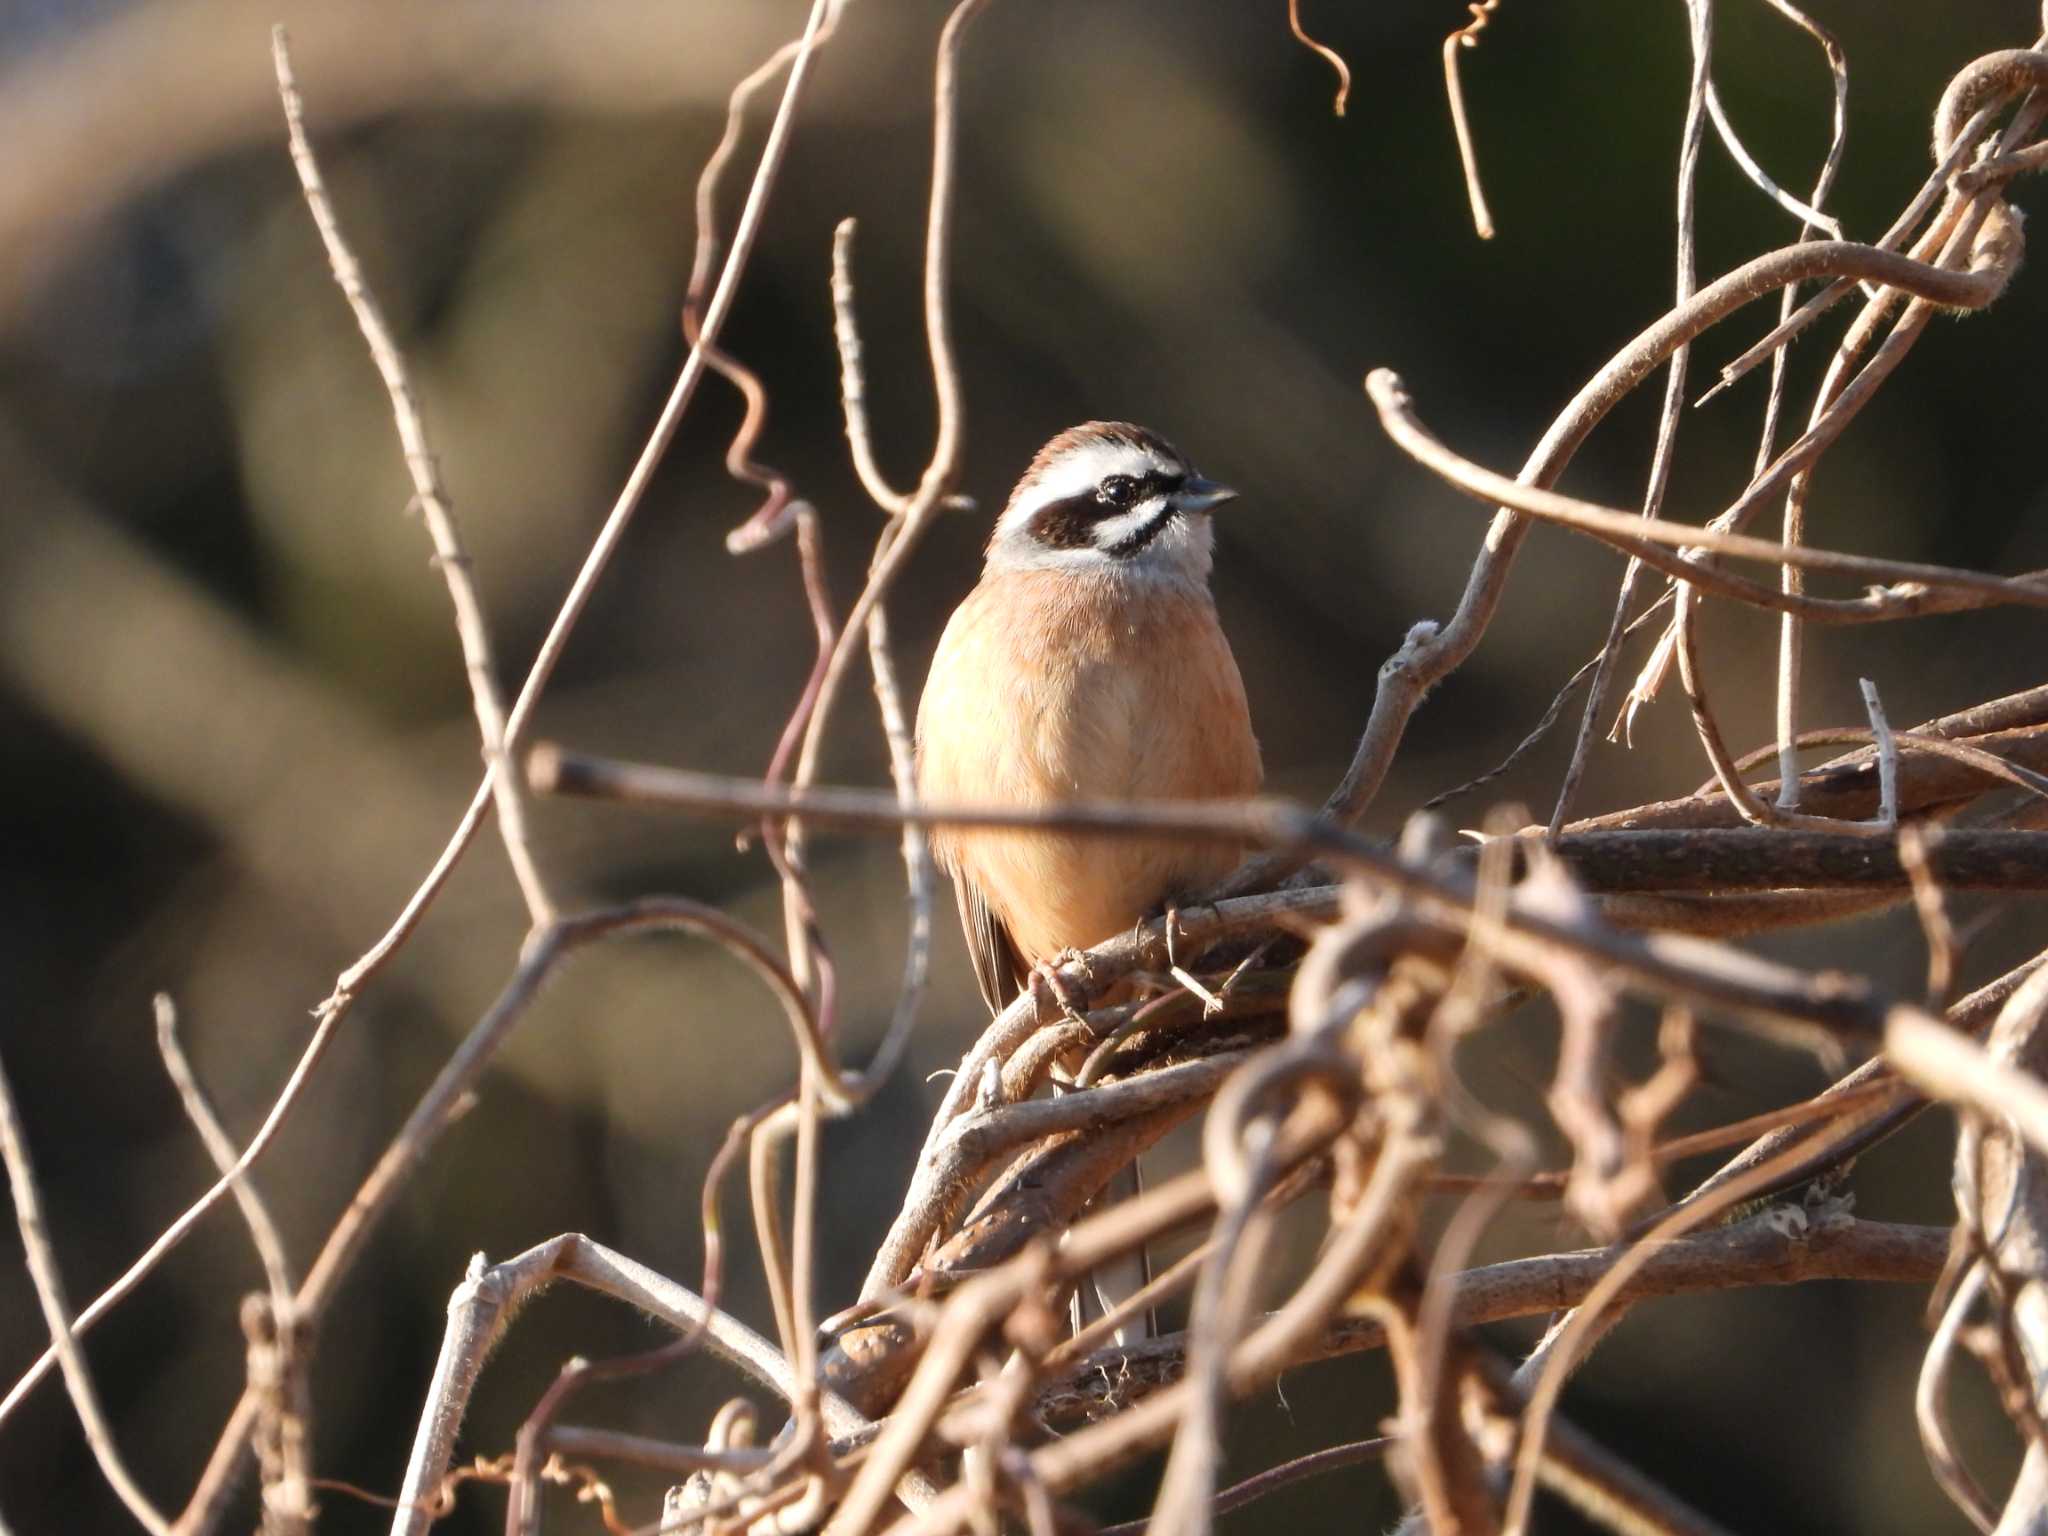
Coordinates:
1088 663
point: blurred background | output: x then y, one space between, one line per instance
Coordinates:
237 730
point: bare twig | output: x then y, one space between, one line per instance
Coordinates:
772 517
1910 745
1943 951
949 438
1328 54
1930 1409
918 874
661 1455
1946 176
177 1231
642 473
49 1286
263 1233
1636 535
347 986
1315 1464
1710 974
853 394
1431 652
1467 36
489 1295
1565 1347
1608 1491
1644 688
1756 859
1698 101
276 1369
431 1115
1948 1066
1762 1250
1867 1104
420 462
1840 396
1887 758
1807 213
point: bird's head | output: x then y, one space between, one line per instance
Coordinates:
1109 496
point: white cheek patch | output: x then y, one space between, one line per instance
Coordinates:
1112 531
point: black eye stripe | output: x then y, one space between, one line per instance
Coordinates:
1142 487
1069 523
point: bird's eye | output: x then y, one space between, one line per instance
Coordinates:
1117 491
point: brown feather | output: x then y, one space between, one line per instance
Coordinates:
1060 684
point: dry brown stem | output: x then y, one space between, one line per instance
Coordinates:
49 1288
428 494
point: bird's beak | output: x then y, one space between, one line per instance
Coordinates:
1199 495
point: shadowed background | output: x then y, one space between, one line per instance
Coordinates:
237 729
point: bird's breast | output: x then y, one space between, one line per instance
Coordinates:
1048 688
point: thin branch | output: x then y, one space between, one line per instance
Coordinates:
2008 730
949 438
1981 220
486 1300
853 391
1759 1251
1608 1491
1710 974
1467 36
436 1106
1648 679
1302 1468
1943 950
263 1233
1930 1409
1943 178
642 474
1691 675
1945 1065
1276 1342
1699 100
918 873
1887 757
1807 213
276 1356
1760 859
49 1285
774 515
661 1455
1324 51
1913 791
1431 652
1568 1342
420 462
1866 1105
1637 535
337 1006
176 1232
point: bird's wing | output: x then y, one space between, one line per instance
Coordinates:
998 968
